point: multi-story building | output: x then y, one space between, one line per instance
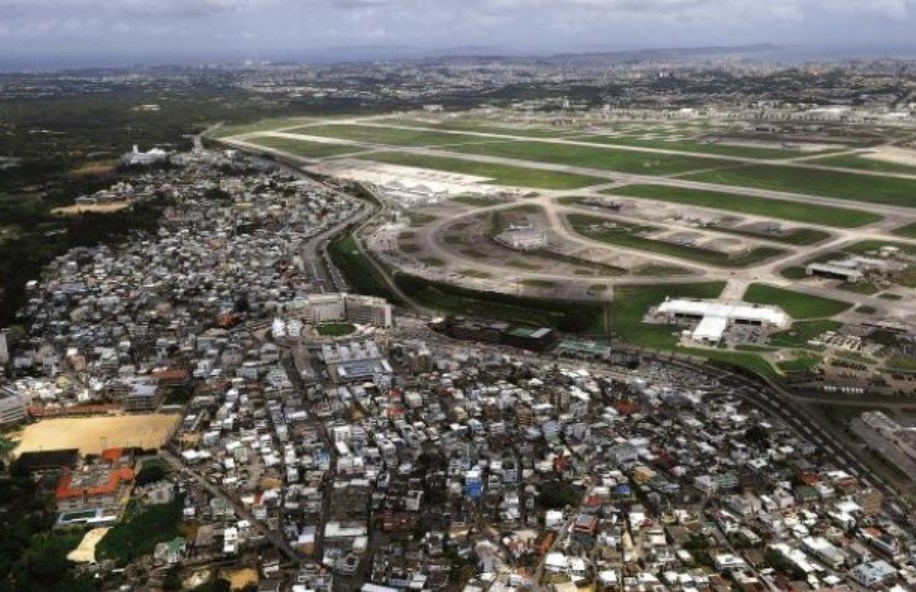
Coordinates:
368 310
143 397
4 348
13 408
101 485
325 308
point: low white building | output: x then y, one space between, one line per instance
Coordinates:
525 238
715 316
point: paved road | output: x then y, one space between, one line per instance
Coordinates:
274 537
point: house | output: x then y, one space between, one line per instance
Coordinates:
169 552
874 574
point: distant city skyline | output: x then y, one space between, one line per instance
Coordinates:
71 32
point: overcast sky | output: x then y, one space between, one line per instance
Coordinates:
265 28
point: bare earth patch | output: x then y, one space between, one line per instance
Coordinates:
893 155
77 209
239 578
91 435
85 552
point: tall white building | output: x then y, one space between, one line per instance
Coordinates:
13 408
4 348
323 308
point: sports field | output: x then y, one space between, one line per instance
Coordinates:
91 435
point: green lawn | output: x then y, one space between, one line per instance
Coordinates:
138 535
908 231
303 147
265 125
848 161
386 136
469 125
335 329
905 364
803 361
799 236
573 317
695 147
859 288
536 283
477 201
432 261
743 204
660 270
802 332
360 273
501 174
793 273
796 304
608 159
875 245
631 303
627 235
837 185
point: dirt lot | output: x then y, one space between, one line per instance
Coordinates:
85 553
106 208
893 155
92 434
240 578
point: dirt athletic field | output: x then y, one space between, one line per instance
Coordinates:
93 434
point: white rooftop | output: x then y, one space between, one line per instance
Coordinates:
717 313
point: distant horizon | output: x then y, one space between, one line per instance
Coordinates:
336 55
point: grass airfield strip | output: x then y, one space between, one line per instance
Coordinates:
303 148
756 206
833 184
485 127
621 159
609 159
626 235
866 164
796 304
501 174
686 145
389 136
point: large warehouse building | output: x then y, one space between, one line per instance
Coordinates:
715 316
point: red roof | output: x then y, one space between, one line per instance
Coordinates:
65 491
626 407
112 455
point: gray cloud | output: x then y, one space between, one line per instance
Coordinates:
268 25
